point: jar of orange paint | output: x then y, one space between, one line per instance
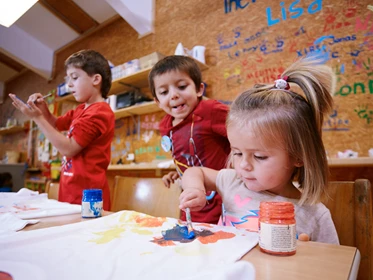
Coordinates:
277 234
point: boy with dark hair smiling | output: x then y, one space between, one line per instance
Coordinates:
193 129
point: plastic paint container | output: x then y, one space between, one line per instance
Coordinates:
92 203
277 232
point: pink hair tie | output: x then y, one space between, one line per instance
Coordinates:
281 83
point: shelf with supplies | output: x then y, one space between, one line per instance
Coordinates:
139 109
137 80
11 129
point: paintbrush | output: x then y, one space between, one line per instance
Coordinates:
223 215
191 233
45 96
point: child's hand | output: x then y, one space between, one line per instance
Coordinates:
192 198
170 178
38 99
29 109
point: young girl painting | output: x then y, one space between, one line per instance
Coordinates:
275 138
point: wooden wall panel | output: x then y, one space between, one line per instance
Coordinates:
249 42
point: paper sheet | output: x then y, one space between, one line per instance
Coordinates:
124 245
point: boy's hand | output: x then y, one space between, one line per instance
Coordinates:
192 198
29 109
170 178
37 98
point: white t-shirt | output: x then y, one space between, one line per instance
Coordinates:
242 209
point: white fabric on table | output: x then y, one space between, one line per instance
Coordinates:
119 246
27 204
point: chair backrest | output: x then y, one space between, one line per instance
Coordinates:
52 190
350 204
146 195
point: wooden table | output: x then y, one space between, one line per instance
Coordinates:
312 261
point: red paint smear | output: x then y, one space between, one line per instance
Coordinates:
25 208
150 221
215 237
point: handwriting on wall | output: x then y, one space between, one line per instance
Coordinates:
336 122
287 12
364 113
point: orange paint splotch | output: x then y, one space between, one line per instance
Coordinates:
162 242
150 221
215 237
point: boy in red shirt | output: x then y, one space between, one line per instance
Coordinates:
86 149
193 129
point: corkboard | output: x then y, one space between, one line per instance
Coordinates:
246 42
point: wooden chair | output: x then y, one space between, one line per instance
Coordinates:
52 190
350 204
146 195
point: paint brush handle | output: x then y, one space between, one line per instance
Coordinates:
45 96
188 219
223 215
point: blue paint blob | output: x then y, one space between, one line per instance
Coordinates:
178 233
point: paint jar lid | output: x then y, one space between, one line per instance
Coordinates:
92 195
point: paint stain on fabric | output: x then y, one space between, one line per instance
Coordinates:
161 242
141 220
24 208
178 233
216 237
150 221
108 235
204 236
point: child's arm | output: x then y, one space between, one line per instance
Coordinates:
66 146
195 182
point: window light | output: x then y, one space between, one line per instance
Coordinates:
11 11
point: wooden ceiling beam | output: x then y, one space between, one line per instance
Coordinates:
11 63
71 14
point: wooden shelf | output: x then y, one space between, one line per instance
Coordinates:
137 109
342 162
11 130
138 80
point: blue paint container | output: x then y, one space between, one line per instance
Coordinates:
92 203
